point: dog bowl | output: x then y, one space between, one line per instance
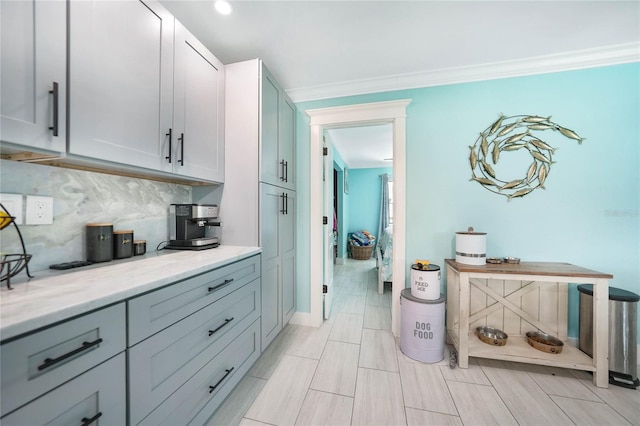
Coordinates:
512 259
492 336
544 342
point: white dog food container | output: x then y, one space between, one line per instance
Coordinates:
471 247
425 281
422 327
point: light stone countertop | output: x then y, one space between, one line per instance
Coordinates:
54 296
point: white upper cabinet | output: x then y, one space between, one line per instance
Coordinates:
198 111
33 74
277 134
121 75
144 92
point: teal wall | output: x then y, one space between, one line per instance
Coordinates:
589 214
364 199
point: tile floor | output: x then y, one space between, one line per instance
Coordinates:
350 371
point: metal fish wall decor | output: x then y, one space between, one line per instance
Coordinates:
517 132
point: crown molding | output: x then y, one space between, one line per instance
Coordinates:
579 59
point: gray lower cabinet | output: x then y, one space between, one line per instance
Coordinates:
95 397
278 241
196 400
41 361
162 363
205 338
159 309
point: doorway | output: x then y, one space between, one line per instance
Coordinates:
393 112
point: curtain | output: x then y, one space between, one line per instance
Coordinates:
384 205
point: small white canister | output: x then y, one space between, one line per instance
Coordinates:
471 247
425 281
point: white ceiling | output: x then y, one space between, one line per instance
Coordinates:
325 49
364 147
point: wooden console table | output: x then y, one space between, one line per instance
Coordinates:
517 298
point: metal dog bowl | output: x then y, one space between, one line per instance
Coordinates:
492 336
512 260
544 342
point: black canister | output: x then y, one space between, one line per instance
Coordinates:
99 242
139 247
122 244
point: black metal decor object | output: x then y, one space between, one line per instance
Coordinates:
12 264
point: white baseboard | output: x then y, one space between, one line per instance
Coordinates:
339 260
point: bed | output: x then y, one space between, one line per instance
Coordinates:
384 251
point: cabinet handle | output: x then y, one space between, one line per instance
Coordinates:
226 373
225 283
48 362
286 203
87 422
282 171
283 206
286 171
54 92
226 321
181 139
170 134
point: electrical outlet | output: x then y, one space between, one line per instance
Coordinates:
13 204
39 210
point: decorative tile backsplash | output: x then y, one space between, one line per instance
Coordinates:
83 197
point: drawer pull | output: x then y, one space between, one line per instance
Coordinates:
227 372
48 362
225 283
226 321
87 422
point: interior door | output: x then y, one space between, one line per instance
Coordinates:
327 234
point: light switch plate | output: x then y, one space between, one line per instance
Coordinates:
13 204
39 210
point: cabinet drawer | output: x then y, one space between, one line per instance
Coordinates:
156 311
41 361
98 392
162 363
198 398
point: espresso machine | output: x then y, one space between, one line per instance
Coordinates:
188 224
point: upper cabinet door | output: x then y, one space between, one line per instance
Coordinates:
286 147
33 73
198 109
120 77
271 164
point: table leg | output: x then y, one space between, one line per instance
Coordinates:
601 333
463 336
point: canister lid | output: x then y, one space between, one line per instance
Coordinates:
99 224
616 294
423 267
470 231
124 232
406 294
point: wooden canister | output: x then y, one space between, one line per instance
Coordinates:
122 244
99 242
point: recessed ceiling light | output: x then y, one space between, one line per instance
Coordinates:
223 7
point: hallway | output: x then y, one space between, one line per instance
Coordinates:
351 371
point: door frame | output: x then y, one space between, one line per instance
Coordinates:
393 112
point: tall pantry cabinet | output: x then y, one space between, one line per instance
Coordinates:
259 200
